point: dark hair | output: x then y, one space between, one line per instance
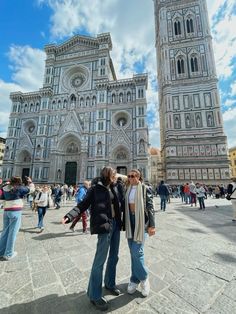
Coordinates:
106 174
15 181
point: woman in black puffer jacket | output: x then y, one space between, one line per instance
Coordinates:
105 221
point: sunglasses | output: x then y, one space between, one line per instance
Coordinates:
131 176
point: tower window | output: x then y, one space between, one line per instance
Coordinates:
177 28
194 64
140 93
189 24
180 66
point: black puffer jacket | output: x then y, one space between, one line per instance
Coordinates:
98 199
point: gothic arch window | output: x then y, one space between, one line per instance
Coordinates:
64 104
113 98
189 25
129 97
121 97
53 105
81 102
72 99
37 107
177 28
25 108
31 107
94 101
180 66
140 93
141 146
59 104
194 64
87 101
99 148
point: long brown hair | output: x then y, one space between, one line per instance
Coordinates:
106 174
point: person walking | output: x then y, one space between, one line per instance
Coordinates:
139 222
200 192
79 196
12 194
42 201
192 190
163 191
105 221
231 191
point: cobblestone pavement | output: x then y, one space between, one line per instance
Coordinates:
191 260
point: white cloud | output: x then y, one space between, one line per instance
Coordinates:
27 65
5 104
229 117
233 89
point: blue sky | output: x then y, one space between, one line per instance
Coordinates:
27 25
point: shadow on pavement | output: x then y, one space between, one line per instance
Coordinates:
226 257
220 223
68 304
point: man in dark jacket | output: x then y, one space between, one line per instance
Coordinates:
163 191
105 221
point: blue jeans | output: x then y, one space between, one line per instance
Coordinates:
138 269
105 242
11 226
163 202
41 214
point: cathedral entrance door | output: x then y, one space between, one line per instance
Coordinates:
70 173
121 170
25 172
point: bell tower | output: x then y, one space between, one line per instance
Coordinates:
193 143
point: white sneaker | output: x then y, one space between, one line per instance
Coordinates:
8 258
132 287
145 287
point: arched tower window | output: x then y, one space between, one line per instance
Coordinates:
87 101
121 97
99 148
194 64
180 66
189 25
177 28
128 96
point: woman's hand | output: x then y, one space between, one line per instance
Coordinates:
151 231
64 220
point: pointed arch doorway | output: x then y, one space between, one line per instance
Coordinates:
70 172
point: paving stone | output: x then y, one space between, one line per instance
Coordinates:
198 288
13 281
223 305
5 299
63 264
51 290
44 278
23 295
219 270
230 290
71 276
39 265
168 302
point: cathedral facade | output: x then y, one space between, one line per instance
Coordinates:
81 120
193 143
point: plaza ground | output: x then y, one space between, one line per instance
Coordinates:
191 261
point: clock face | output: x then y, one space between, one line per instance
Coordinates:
77 81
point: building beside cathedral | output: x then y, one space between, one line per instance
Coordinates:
193 143
82 119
